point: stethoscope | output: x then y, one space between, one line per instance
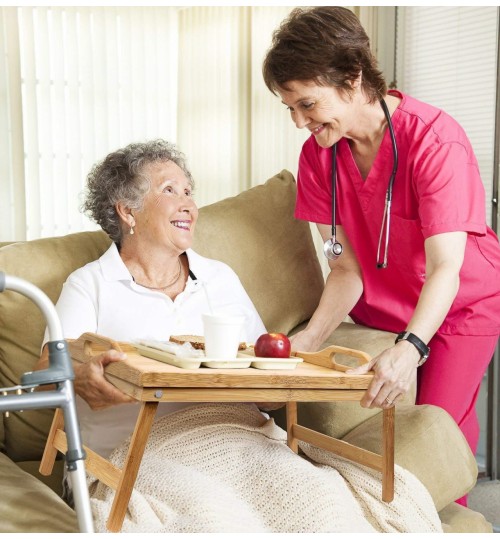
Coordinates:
332 248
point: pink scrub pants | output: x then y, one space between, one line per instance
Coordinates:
451 379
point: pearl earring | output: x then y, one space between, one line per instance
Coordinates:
131 231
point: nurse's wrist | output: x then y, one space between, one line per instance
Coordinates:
411 353
419 345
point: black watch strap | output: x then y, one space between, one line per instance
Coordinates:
422 348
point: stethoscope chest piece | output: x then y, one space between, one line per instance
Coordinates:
332 248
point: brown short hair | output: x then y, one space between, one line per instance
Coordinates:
326 45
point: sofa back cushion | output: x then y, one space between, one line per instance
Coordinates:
46 263
257 235
254 232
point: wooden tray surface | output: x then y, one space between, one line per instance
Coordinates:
145 372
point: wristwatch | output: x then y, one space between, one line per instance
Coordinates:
422 348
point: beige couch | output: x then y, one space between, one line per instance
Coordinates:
256 234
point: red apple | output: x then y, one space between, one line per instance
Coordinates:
272 345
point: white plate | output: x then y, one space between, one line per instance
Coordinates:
276 362
242 361
237 363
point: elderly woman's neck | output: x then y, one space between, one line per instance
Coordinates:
151 266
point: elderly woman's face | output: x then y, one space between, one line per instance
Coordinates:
169 214
327 113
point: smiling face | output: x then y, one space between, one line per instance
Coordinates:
169 214
327 113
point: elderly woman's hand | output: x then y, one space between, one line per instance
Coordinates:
395 371
92 386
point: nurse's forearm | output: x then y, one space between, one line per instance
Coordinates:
444 258
342 291
436 298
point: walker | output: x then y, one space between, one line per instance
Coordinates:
59 372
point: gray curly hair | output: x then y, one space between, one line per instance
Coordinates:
119 178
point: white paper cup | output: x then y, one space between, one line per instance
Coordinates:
222 335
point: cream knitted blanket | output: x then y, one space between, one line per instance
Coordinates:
226 468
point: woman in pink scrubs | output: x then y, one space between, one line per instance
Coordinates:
440 290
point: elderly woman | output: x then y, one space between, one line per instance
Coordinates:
148 284
394 188
207 467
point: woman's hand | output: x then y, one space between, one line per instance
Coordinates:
92 386
395 371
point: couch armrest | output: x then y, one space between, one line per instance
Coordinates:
459 519
429 444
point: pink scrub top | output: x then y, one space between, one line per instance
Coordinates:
437 189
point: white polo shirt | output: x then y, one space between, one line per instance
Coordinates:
102 298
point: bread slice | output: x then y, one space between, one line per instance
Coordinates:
198 341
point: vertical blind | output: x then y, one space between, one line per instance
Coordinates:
275 141
90 83
213 99
79 82
447 57
12 188
235 133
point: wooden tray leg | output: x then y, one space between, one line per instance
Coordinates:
291 420
388 454
50 451
131 467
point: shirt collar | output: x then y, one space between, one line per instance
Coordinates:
112 266
114 269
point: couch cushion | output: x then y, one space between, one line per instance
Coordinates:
29 506
45 263
257 235
429 444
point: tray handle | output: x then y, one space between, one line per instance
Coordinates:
91 342
326 357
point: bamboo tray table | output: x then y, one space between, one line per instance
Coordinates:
319 378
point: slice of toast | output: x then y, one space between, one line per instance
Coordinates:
197 341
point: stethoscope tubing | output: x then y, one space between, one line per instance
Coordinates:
332 247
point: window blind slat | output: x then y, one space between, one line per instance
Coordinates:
72 105
30 123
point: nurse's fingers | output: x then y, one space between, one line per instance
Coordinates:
372 394
363 369
392 399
